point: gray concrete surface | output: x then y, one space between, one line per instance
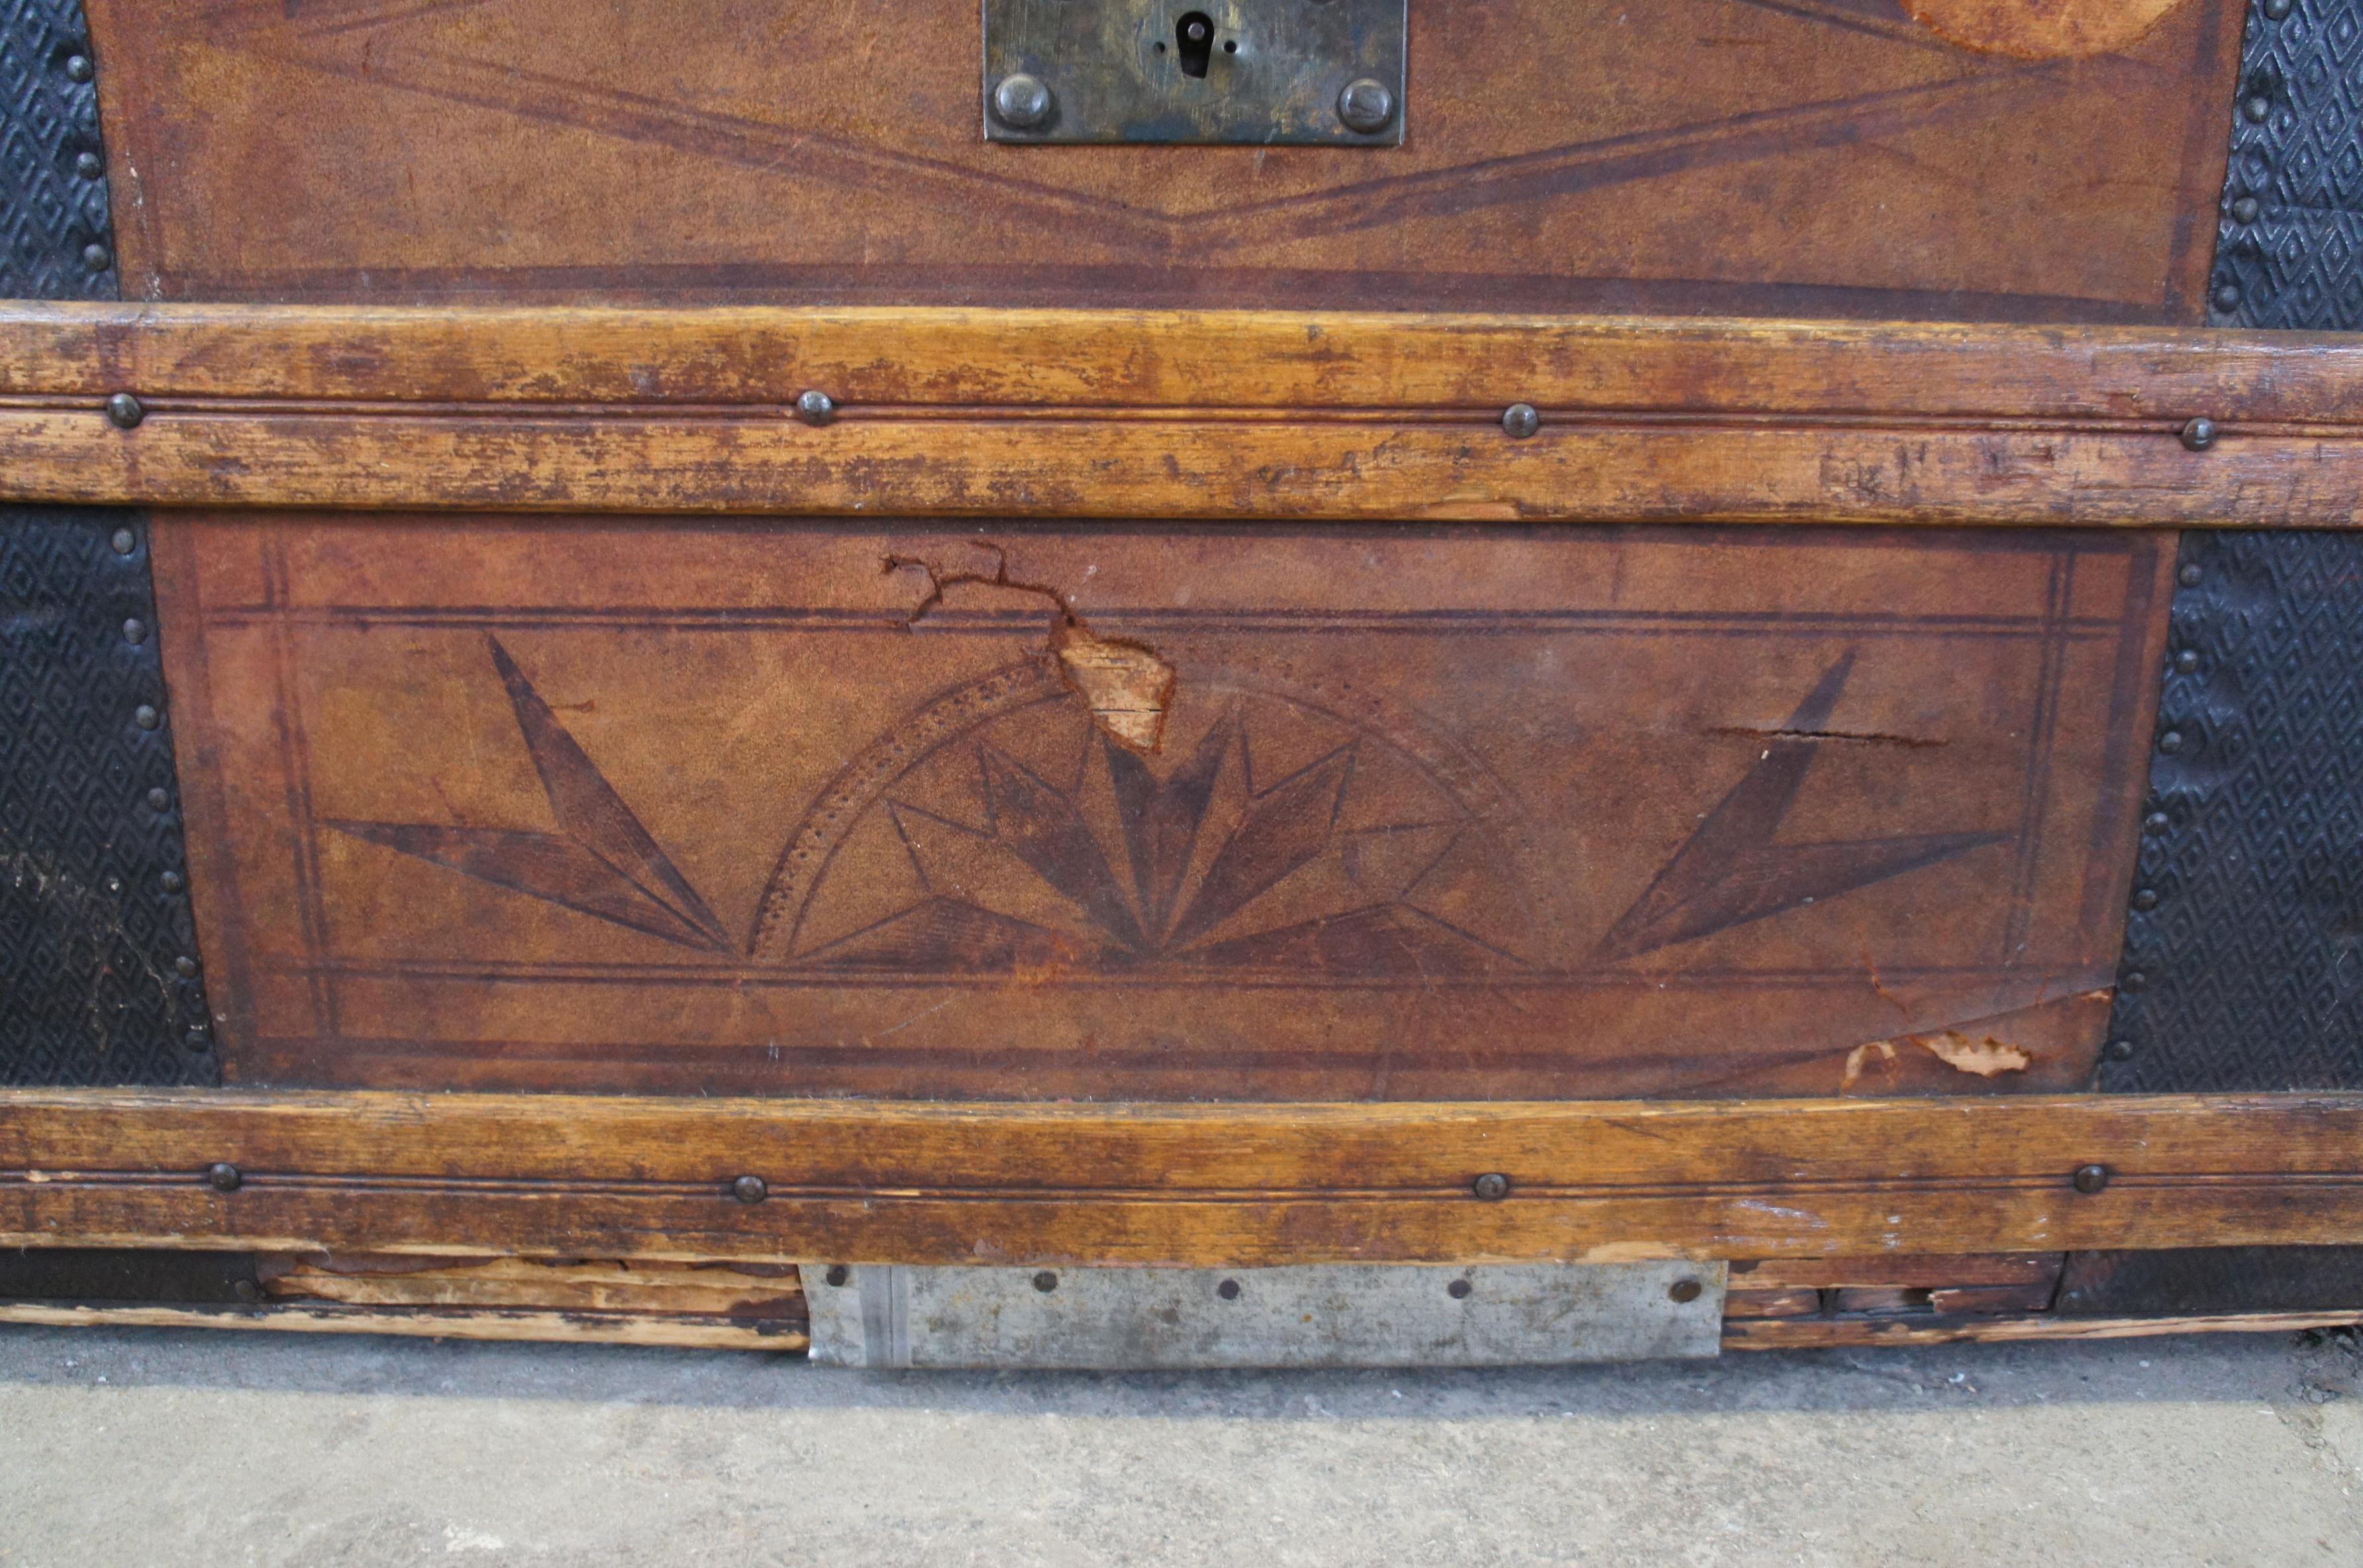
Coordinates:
160 1448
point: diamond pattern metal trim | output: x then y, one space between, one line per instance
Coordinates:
53 212
2247 930
2289 237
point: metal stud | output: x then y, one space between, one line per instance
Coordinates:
124 412
97 256
815 407
1228 1290
1366 106
2199 434
1459 1289
1520 421
2187 661
837 1274
2157 822
2170 742
159 800
246 1290
185 967
2090 1179
135 631
223 1177
2277 9
2227 297
79 68
2192 575
2134 981
197 1040
123 541
1491 1187
1046 1282
2257 107
1685 1290
1022 102
2146 899
2244 209
169 881
146 717
749 1189
2119 1050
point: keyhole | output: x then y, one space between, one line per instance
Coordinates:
1193 43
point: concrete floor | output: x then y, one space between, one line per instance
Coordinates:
159 1448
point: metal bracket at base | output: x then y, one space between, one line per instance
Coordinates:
1312 1316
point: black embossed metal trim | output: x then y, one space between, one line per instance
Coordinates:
2289 245
100 981
2243 947
2190 1281
59 244
100 976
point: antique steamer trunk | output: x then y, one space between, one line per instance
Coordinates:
673 670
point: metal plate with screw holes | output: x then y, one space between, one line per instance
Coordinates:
1317 1315
1274 70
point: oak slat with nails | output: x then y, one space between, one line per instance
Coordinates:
1200 1187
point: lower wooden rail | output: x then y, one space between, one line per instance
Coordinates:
1188 1186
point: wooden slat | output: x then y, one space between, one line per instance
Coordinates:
1176 1185
540 1328
1797 1333
1175 415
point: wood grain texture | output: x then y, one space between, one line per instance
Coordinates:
1432 813
1174 1185
1799 1333
1560 154
679 1333
1176 415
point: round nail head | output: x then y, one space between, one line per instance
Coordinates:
2119 1050
1366 106
2134 981
2227 298
2146 899
124 411
1022 102
197 1040
1046 1282
1459 1289
223 1177
79 68
2199 434
1685 1290
146 717
169 881
123 541
2192 575
815 407
1520 421
89 165
1228 1290
749 1189
2091 1178
2257 107
2156 822
2244 209
159 800
1491 1187
2187 661
135 631
837 1274
2170 742
2277 9
97 256
185 967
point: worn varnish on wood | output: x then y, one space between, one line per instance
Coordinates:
1179 813
1192 1187
1061 413
1945 158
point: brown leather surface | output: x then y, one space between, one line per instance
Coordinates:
1761 157
1437 812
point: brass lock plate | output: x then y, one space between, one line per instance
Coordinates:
1262 72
